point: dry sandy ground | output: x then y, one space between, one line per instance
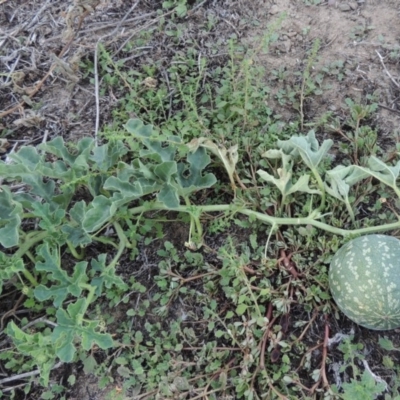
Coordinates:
363 35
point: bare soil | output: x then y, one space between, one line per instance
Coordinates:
44 92
364 35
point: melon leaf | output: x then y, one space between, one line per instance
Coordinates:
340 179
385 173
229 157
307 147
284 181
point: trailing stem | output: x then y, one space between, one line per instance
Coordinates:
321 187
123 244
195 229
24 249
268 219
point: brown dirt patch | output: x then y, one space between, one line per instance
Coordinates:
352 33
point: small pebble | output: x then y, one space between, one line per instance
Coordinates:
282 46
274 10
344 7
287 45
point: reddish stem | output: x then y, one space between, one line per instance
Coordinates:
265 336
288 264
325 354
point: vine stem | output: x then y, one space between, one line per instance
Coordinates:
122 245
74 252
24 248
269 219
195 225
321 188
88 301
30 241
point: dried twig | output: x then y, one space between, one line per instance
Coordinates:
10 388
232 26
96 73
96 92
39 12
388 108
40 320
377 378
325 381
154 21
26 374
123 19
264 340
98 26
10 312
201 4
386 70
12 69
54 65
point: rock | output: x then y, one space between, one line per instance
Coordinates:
274 9
353 5
283 46
344 7
288 45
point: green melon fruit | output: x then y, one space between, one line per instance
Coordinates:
364 278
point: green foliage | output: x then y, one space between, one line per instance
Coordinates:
38 346
170 173
284 183
365 388
70 323
10 219
363 385
65 223
92 239
180 7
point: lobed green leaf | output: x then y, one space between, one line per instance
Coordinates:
385 173
10 219
62 285
307 147
70 324
107 277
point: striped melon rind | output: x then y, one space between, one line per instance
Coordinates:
364 279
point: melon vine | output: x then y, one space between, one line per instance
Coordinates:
148 172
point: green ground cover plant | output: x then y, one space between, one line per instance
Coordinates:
228 309
49 220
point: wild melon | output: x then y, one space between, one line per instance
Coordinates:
364 279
